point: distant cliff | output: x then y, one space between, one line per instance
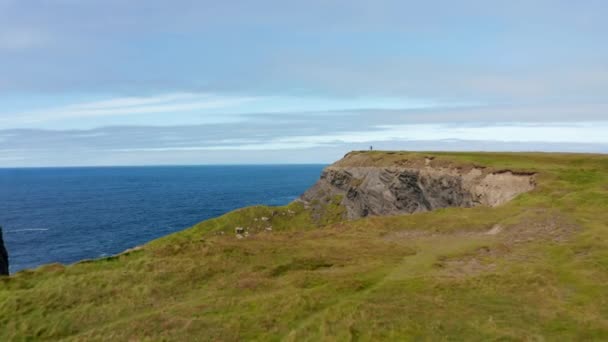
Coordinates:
3 256
370 184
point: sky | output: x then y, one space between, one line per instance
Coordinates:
148 82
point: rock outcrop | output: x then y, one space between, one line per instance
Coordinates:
3 257
404 186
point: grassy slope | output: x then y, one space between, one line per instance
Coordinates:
433 275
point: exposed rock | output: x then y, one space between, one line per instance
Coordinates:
495 230
3 256
404 188
241 232
131 250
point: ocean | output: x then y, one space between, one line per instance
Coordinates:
68 214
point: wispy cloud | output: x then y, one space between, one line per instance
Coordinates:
548 132
169 103
258 146
126 102
198 108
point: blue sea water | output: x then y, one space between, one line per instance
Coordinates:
69 214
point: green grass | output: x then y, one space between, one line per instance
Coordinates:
431 276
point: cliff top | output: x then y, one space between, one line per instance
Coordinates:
501 160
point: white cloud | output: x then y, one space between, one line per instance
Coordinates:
557 132
583 132
251 142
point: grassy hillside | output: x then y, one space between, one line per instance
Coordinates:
535 268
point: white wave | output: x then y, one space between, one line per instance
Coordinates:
28 230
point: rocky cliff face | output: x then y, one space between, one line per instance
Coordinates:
407 185
3 256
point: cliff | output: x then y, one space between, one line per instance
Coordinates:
527 267
370 184
3 256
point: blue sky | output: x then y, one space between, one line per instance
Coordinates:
202 82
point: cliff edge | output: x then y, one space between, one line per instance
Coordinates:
3 256
380 184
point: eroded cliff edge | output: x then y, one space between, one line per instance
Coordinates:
370 184
3 256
